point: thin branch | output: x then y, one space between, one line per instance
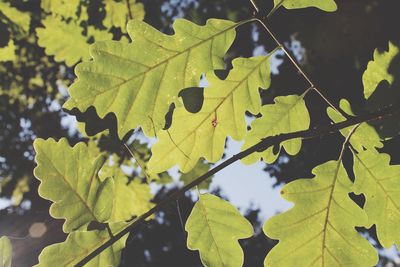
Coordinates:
128 6
275 8
255 6
144 170
299 69
259 147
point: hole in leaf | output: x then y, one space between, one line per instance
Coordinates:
193 98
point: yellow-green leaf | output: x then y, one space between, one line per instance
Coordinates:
5 252
20 189
69 178
131 199
64 8
379 182
117 14
214 228
365 135
19 18
287 114
138 81
7 53
326 5
378 69
73 47
79 245
222 115
320 229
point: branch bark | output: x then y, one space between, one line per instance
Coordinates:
259 147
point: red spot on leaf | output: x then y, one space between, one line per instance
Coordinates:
214 122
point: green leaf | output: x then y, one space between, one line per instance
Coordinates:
98 35
78 245
200 169
117 14
326 5
379 182
222 115
138 81
214 227
7 53
320 229
20 189
378 69
5 252
64 8
365 135
69 178
72 49
287 114
74 46
131 199
21 19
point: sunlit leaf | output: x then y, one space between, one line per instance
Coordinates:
214 228
379 182
74 46
378 69
138 81
287 114
19 18
320 229
20 189
5 252
117 14
365 135
222 115
326 5
64 8
79 245
7 53
98 35
131 199
69 178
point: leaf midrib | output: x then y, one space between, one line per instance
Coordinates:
210 230
324 230
70 186
214 110
379 183
150 68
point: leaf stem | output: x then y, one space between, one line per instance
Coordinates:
275 8
128 6
259 147
328 209
255 6
299 69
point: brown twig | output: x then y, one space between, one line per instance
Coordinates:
128 6
263 22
